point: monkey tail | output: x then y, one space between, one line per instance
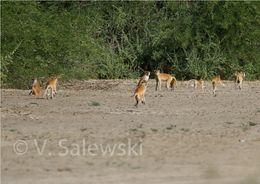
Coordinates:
137 99
173 83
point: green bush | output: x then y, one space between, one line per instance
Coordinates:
103 40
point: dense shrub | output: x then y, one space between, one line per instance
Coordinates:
84 40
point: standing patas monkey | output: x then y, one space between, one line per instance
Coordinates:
139 93
170 80
51 87
36 88
215 80
238 78
144 78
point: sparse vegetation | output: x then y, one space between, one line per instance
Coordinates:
185 129
250 123
170 127
94 103
154 130
12 130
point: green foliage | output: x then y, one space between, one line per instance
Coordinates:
84 40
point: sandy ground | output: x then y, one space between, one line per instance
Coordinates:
92 133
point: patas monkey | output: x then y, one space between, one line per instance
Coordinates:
197 83
215 80
170 80
238 79
144 78
139 93
51 87
36 88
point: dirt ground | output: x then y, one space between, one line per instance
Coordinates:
184 136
